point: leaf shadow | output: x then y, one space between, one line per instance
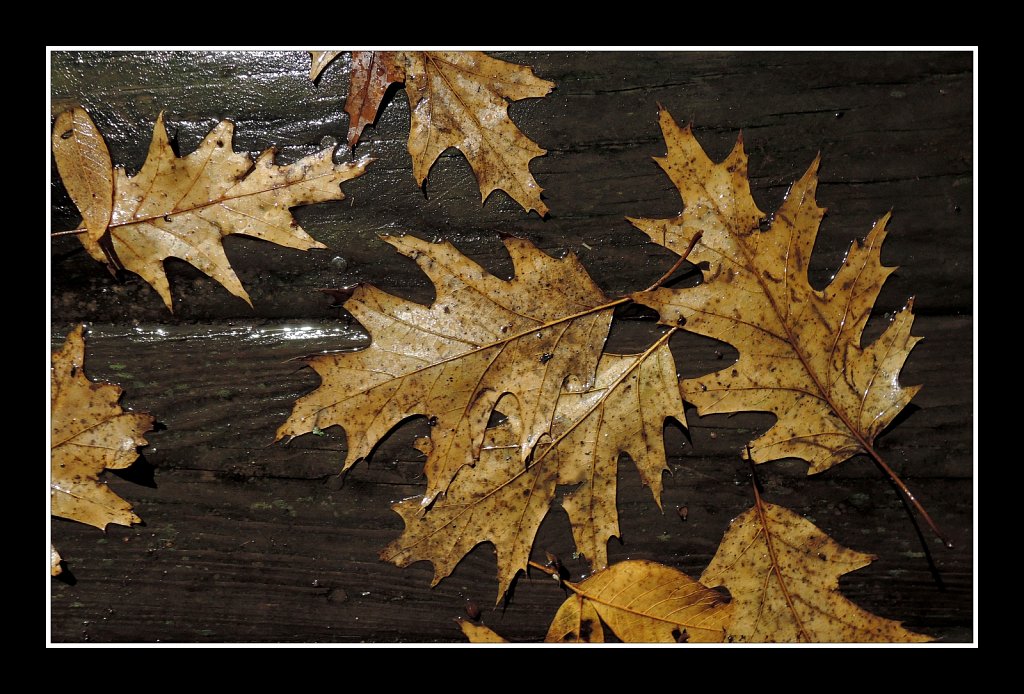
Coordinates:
140 472
65 576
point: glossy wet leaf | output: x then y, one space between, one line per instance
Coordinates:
89 432
451 362
183 207
801 356
83 162
783 575
458 99
502 501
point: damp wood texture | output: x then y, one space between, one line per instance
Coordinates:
246 540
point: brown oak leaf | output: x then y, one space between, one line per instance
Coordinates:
183 207
458 99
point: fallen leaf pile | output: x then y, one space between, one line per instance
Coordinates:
529 351
183 207
457 99
89 432
512 375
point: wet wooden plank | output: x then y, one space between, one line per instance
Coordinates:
246 540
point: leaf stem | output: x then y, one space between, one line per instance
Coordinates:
67 233
664 278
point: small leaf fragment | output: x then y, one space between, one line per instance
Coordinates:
320 60
372 73
478 633
55 560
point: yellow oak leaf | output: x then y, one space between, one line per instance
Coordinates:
482 337
183 207
783 575
89 432
640 602
800 351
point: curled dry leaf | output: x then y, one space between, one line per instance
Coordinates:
783 575
458 99
800 349
89 432
640 602
528 348
83 162
183 207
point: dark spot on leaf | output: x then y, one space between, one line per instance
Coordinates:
432 421
681 321
546 357
74 371
586 629
66 134
167 218
220 143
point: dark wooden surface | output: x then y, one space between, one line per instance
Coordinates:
245 540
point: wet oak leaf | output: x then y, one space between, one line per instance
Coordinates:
783 575
499 500
83 162
183 207
89 432
800 349
458 99
451 362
